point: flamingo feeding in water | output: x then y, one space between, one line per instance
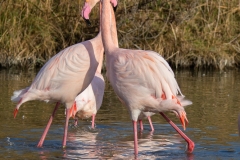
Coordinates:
143 80
90 100
63 77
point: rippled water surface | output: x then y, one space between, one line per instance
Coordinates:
213 124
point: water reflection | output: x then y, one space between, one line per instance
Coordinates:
108 142
213 124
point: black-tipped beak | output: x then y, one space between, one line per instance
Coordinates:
115 8
87 21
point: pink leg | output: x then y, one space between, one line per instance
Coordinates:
189 141
93 121
66 128
135 138
150 122
40 143
75 122
141 124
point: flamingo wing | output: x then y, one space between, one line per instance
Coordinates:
69 65
63 77
146 72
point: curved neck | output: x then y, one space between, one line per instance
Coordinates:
106 26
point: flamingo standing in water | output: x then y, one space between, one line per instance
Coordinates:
143 80
90 100
63 77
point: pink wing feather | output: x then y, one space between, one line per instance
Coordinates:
63 76
145 69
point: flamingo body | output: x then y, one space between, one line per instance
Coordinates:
90 100
142 80
63 77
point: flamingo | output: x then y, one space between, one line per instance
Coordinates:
90 100
63 77
143 80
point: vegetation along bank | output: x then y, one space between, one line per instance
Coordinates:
188 33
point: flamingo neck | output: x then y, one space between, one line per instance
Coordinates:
100 62
100 49
114 29
106 26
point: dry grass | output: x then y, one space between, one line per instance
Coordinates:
32 31
188 33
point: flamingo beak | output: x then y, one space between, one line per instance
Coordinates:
85 12
87 21
115 8
15 112
183 120
73 110
114 4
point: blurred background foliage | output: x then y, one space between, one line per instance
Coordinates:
188 33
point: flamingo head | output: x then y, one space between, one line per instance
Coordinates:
87 10
73 110
89 4
183 118
181 112
114 4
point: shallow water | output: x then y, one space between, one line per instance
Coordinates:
213 124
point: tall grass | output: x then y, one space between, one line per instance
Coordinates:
32 31
188 33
